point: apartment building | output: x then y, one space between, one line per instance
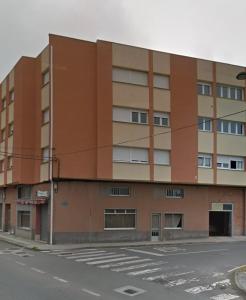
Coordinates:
108 142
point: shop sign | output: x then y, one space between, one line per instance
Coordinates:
42 194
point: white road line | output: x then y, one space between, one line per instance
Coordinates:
81 253
91 292
110 260
20 263
198 289
165 276
234 269
124 263
196 252
60 279
89 255
224 297
99 257
148 271
144 252
38 270
180 281
138 266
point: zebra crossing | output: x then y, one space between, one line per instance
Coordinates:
152 266
21 252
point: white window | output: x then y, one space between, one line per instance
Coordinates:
161 81
173 221
161 119
45 116
45 154
130 76
204 89
230 92
130 155
161 157
204 160
230 162
45 77
204 124
174 192
230 127
130 115
120 218
120 191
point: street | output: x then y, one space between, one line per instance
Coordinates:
186 271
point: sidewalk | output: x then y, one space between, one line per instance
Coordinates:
29 244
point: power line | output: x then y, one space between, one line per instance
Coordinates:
148 136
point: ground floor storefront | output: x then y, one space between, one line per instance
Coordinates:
86 211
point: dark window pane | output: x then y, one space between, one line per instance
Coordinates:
143 117
135 117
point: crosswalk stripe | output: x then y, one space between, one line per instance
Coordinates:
148 271
168 275
124 263
198 289
144 252
138 266
99 257
110 260
88 255
224 297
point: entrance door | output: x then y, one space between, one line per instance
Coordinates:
44 231
156 227
7 217
220 223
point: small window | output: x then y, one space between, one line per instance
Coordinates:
204 124
45 154
161 119
24 219
175 193
161 81
3 103
139 117
227 206
173 221
11 129
24 192
10 162
130 155
205 160
45 116
12 96
204 89
1 165
3 135
120 191
45 77
161 157
120 218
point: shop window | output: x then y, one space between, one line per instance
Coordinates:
173 221
120 218
24 219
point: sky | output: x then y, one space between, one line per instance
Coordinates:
211 29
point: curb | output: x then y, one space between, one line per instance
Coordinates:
240 283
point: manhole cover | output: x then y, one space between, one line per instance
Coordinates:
130 290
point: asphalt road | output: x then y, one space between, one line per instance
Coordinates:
192 271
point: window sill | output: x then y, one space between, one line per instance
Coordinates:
205 130
172 228
231 169
115 229
160 88
203 167
132 123
24 228
131 162
119 195
165 126
205 95
129 83
227 133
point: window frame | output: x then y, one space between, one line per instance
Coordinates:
226 164
156 86
45 159
45 75
182 192
161 116
130 76
131 155
229 123
10 129
117 213
12 95
202 121
43 116
139 117
222 89
4 103
9 162
120 188
19 219
203 91
24 192
173 214
205 156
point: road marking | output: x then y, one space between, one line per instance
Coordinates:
144 252
60 279
110 260
180 282
217 274
99 257
89 255
198 289
234 269
224 297
169 249
38 270
196 252
20 263
91 292
165 276
138 266
124 263
148 271
222 283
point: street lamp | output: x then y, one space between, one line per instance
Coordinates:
241 76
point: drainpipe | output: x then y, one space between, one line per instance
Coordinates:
51 150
